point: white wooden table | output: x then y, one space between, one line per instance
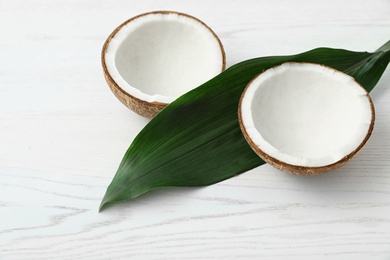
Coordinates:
63 134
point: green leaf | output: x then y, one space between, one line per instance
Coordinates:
197 141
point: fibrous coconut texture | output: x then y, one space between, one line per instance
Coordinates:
305 118
152 59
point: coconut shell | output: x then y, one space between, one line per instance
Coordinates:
299 169
141 107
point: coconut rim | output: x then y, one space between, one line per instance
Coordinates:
302 169
154 103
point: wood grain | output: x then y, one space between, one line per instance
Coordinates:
63 133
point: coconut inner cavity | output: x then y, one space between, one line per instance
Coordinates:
163 56
306 114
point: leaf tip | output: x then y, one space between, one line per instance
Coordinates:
104 203
102 206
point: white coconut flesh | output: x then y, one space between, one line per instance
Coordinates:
157 57
306 114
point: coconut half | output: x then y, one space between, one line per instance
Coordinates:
305 118
153 58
